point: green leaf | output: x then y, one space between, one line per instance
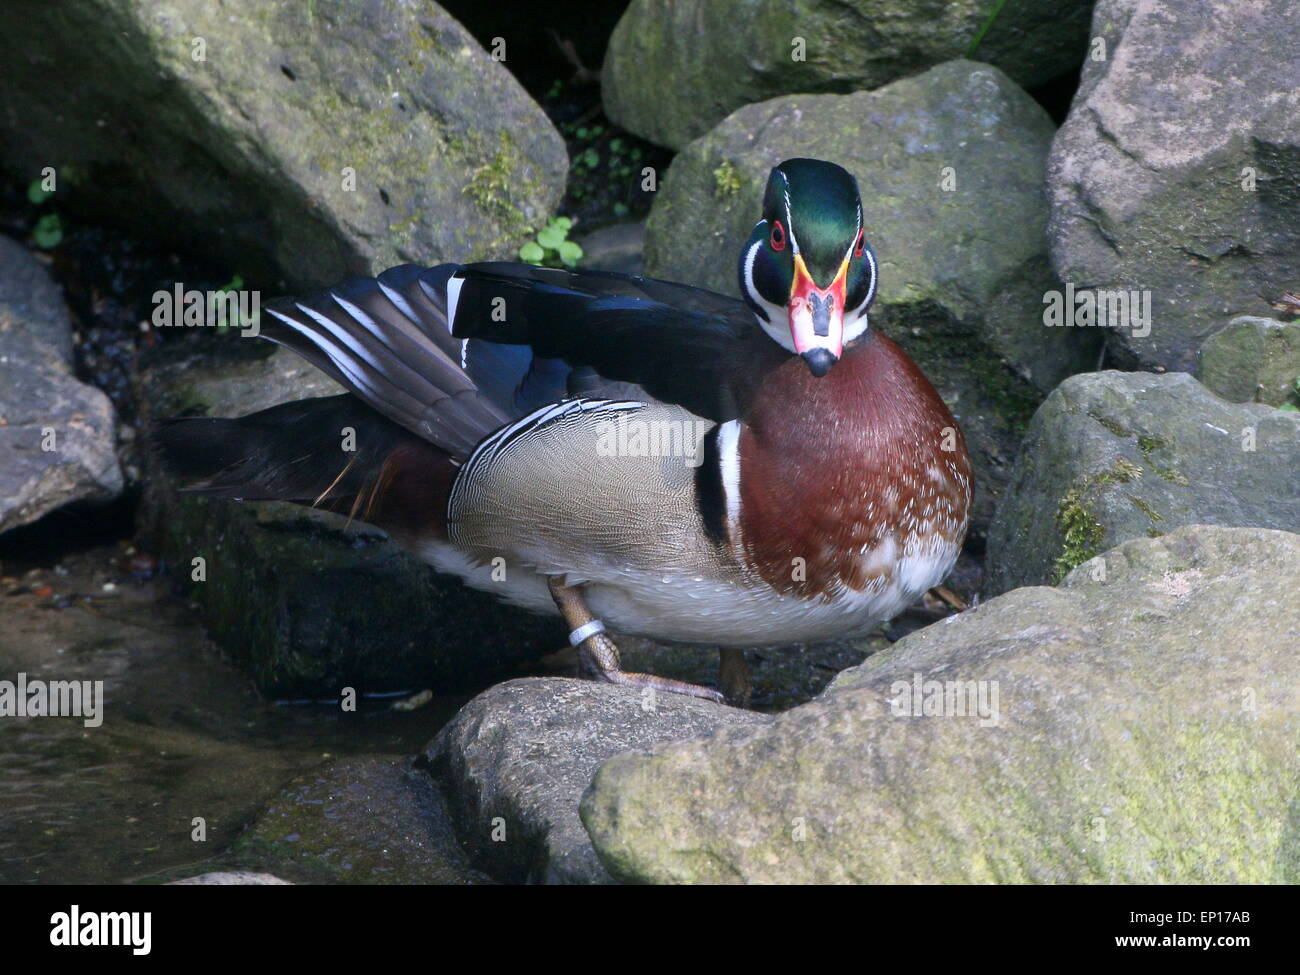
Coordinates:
532 253
37 193
564 223
975 44
551 237
1290 408
570 253
48 232
591 158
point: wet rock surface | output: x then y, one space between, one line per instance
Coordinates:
58 436
1112 456
1145 732
366 819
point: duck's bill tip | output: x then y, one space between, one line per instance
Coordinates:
819 361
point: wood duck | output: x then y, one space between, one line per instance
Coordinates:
625 451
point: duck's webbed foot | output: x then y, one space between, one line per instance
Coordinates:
598 654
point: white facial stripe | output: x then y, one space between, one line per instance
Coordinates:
870 258
776 326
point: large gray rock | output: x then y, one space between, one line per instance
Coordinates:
516 759
963 272
674 68
1253 360
306 601
1112 456
1175 172
1146 733
243 154
58 436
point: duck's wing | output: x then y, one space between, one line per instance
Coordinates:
455 352
620 335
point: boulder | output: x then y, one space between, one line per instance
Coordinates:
675 68
1253 360
1175 173
963 271
58 436
305 601
323 139
1137 725
366 819
515 760
1112 456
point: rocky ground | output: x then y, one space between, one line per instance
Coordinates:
1120 702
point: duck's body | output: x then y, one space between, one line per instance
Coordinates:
874 529
626 450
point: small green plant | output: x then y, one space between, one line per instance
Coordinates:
726 179
48 232
37 193
993 15
1291 407
552 247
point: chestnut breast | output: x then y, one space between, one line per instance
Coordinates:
840 475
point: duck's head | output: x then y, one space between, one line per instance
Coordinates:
807 269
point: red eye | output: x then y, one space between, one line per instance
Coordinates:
860 246
778 236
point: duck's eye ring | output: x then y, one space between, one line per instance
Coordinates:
778 236
861 244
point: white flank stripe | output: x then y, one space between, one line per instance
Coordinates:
729 461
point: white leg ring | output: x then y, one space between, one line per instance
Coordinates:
584 631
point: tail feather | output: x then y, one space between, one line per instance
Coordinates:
333 453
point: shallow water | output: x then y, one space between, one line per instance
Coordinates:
184 734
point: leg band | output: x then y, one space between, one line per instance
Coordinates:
584 631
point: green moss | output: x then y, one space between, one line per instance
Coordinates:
496 181
1121 472
726 180
1146 509
1147 444
1081 533
1112 425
